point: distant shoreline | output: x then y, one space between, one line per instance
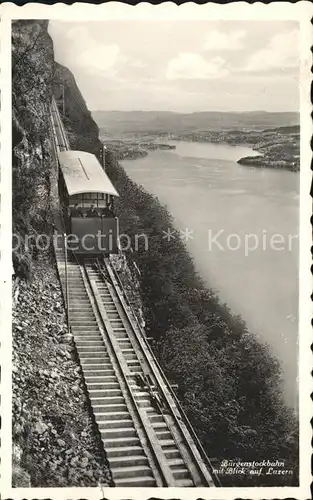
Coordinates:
132 150
279 148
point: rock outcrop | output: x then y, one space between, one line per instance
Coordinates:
32 73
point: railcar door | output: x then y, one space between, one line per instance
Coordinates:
93 235
109 230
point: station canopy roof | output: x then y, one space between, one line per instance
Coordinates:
83 173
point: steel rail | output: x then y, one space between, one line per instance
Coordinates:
155 448
178 403
141 339
205 470
62 141
181 421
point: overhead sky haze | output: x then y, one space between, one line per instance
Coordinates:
182 66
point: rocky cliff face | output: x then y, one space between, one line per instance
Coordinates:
83 133
32 73
54 443
35 78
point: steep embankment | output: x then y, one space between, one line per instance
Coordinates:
228 382
54 443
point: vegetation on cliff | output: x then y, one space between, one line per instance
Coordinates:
228 382
82 131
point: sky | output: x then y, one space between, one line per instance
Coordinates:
182 66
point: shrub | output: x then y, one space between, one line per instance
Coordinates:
22 264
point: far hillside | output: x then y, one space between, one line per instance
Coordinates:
121 122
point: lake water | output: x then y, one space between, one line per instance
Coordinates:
223 202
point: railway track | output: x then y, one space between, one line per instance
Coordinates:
58 133
145 435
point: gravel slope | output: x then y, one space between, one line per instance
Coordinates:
53 434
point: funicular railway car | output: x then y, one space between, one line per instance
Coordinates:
87 196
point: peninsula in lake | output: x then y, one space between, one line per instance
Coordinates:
131 148
279 147
276 136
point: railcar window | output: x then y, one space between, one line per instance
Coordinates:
91 198
77 198
84 200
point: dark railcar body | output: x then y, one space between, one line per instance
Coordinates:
93 235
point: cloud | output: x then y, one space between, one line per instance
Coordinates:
217 40
102 58
107 60
282 51
164 69
95 57
137 63
189 65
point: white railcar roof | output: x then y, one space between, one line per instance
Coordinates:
83 173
